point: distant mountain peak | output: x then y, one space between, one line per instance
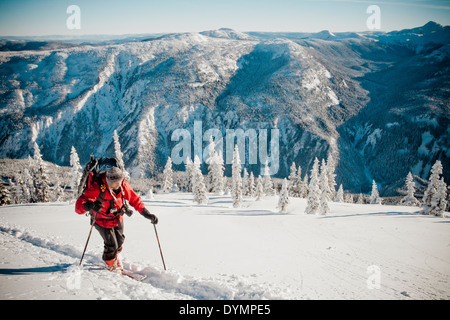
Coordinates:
325 35
431 25
227 33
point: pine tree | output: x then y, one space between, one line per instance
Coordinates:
432 188
325 189
360 199
29 186
298 188
340 194
293 181
188 175
375 196
259 188
5 197
409 199
245 181
44 182
331 168
58 192
40 178
12 192
439 200
75 172
283 200
304 189
236 187
31 180
198 184
19 189
149 194
119 155
267 182
167 177
314 194
251 186
21 180
348 198
215 169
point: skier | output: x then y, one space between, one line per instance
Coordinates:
104 198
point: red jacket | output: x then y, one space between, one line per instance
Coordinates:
104 218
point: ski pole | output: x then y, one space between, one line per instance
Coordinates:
159 245
89 236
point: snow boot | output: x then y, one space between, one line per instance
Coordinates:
118 258
114 266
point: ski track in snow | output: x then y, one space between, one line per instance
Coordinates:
219 252
159 284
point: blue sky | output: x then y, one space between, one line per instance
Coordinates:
48 17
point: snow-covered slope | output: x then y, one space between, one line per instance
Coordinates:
221 252
375 100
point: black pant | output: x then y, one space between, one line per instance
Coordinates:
113 239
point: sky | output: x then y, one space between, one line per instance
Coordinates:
49 17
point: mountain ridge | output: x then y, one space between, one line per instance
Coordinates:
350 95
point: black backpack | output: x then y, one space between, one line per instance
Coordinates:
93 172
97 167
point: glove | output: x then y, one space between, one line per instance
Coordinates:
96 206
149 216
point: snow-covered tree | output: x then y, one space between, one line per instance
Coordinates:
304 188
409 199
44 180
331 168
259 188
21 190
24 188
432 188
198 184
293 181
149 195
267 182
283 200
324 188
119 155
251 187
348 197
188 175
297 188
314 194
30 194
375 196
167 176
360 199
215 170
245 181
13 192
439 200
58 191
340 194
40 178
236 187
5 196
75 172
227 183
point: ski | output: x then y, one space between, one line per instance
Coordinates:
128 273
134 276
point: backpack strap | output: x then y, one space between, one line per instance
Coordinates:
101 185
